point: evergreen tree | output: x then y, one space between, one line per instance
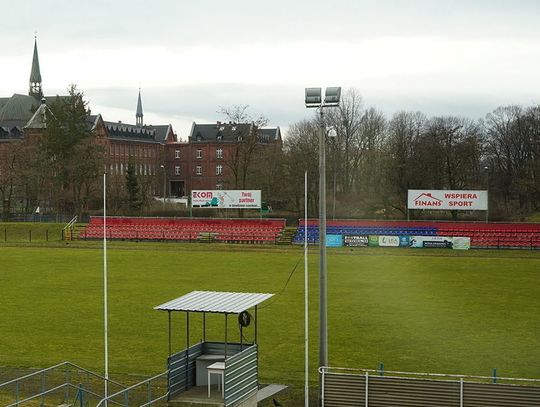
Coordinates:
133 188
69 154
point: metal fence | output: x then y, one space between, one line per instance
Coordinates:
374 388
62 383
38 218
150 392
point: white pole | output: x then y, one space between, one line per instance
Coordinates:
306 295
105 306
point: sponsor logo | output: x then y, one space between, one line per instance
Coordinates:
428 200
334 241
202 194
389 241
355 240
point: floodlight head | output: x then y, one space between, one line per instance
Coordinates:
332 96
313 97
331 132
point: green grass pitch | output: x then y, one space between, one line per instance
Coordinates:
415 310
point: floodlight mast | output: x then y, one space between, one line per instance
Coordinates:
313 99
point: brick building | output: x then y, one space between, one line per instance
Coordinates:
213 155
208 160
22 117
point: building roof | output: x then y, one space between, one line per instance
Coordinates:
10 133
214 301
18 109
232 132
219 132
272 133
161 131
130 132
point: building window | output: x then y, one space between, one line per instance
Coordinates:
219 169
199 153
219 153
219 137
219 186
177 170
199 170
177 154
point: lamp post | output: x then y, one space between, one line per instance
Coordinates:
313 99
164 187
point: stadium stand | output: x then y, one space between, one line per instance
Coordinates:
186 229
483 235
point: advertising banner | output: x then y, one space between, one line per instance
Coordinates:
222 199
373 241
355 240
443 242
334 241
461 243
389 241
404 241
447 200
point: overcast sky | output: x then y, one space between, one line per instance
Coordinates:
191 57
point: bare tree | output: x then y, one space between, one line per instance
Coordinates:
401 173
301 154
241 157
513 151
349 145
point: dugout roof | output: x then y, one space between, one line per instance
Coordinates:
214 301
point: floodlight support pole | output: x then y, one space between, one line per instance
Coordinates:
306 297
105 303
323 329
313 98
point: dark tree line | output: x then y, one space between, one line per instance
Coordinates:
371 163
374 160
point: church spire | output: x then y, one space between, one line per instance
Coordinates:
139 114
35 75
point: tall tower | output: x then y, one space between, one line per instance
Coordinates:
139 114
35 75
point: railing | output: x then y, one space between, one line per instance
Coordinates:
69 229
56 382
142 394
348 387
71 222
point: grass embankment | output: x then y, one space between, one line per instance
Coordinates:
414 310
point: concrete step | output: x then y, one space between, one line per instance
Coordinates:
269 391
